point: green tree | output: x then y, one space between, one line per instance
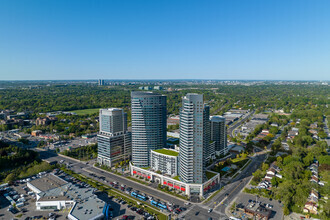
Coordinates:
257 176
10 178
274 182
265 167
286 210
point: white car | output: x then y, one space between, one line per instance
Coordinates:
269 206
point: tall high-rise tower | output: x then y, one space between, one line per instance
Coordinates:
219 134
114 142
148 125
192 134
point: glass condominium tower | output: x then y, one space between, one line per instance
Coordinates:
192 143
114 141
148 125
219 134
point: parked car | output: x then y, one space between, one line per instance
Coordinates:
269 206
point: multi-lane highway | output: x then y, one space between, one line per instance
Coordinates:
229 192
87 169
196 211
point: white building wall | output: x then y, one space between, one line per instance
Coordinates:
58 204
33 188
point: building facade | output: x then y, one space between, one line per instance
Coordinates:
114 141
165 161
219 134
203 189
192 152
148 126
101 82
209 151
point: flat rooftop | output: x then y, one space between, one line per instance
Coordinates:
48 182
66 192
167 152
90 208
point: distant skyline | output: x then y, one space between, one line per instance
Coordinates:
183 39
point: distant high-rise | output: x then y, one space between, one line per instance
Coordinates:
114 142
101 82
219 134
193 138
148 125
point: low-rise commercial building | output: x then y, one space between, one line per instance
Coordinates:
257 211
54 193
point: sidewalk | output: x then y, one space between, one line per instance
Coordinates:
227 209
158 191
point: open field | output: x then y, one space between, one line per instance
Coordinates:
86 111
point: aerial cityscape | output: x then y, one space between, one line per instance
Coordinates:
164 110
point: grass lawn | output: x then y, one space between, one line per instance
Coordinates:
238 159
167 152
86 111
209 175
176 178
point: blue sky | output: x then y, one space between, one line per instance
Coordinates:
164 39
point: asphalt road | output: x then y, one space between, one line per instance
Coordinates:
231 128
86 169
237 184
232 189
226 195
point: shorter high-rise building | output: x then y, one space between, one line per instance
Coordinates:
165 161
114 141
101 82
208 145
219 134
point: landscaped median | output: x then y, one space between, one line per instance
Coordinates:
144 182
245 165
214 194
167 190
116 193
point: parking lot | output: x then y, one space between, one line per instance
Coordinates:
29 207
73 143
20 192
244 199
